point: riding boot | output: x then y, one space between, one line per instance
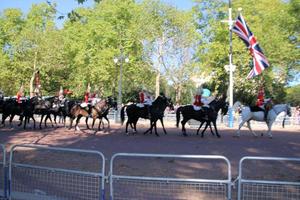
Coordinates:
265 114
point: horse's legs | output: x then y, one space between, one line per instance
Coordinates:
4 116
200 127
21 120
77 121
10 120
269 128
105 117
211 129
240 126
249 126
215 125
71 122
25 122
154 123
206 125
33 120
42 117
162 123
183 126
48 116
87 124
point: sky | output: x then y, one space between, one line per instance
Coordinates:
65 6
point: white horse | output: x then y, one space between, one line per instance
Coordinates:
247 116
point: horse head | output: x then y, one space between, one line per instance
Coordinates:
112 102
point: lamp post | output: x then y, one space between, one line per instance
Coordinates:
120 59
230 68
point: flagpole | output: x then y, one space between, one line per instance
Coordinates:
231 67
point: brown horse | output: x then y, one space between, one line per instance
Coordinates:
77 112
100 110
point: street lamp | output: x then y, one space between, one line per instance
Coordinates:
120 59
231 67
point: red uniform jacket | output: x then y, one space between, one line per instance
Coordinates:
197 101
142 97
260 97
86 97
19 97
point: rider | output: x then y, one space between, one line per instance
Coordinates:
86 97
145 100
20 94
61 94
264 104
197 99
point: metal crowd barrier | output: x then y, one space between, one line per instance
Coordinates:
263 189
35 175
143 187
3 176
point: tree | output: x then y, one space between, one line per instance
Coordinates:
279 48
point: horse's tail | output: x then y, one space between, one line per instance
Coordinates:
178 111
283 121
123 114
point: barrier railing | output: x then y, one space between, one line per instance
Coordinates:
166 187
34 173
3 174
262 189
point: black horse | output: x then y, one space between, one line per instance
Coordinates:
10 107
214 116
207 115
155 112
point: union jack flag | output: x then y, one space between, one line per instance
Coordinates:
260 62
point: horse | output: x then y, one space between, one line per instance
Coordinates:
207 115
224 111
155 112
10 108
100 110
42 107
248 115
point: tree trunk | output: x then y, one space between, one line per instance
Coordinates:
157 84
178 94
31 89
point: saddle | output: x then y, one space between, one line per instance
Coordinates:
256 109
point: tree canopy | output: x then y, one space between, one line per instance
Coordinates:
166 46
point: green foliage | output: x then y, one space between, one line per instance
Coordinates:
195 44
280 49
293 95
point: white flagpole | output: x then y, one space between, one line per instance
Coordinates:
230 68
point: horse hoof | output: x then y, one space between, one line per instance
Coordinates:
77 128
185 135
262 134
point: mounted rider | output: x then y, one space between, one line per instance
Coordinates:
37 84
145 100
264 104
86 97
20 94
197 104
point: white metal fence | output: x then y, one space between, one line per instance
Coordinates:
136 185
264 188
2 171
39 172
34 174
